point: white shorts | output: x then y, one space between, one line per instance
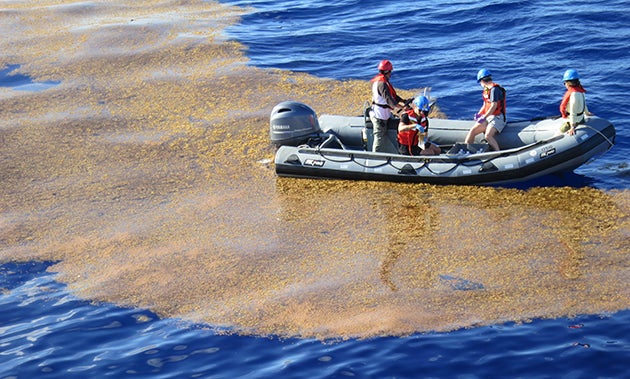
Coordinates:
496 122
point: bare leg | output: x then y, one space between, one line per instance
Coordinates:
476 129
490 133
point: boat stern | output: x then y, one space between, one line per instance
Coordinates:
292 123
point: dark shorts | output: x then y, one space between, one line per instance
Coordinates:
404 150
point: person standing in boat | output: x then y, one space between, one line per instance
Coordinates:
490 119
573 106
413 129
384 100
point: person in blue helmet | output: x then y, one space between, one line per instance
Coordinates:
490 119
413 129
573 106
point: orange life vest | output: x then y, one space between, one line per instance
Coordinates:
392 91
411 137
500 109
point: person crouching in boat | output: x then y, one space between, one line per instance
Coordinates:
490 119
573 106
413 129
384 100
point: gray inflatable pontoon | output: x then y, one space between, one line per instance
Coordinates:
339 147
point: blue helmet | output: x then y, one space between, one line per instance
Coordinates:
422 102
482 74
570 74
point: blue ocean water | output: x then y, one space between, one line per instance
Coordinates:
45 332
20 82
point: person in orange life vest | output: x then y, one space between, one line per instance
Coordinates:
413 129
573 106
384 100
490 119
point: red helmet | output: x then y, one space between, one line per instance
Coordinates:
385 65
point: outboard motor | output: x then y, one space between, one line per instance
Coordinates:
293 123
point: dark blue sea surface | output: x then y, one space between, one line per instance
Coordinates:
10 78
46 332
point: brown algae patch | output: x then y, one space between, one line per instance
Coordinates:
143 173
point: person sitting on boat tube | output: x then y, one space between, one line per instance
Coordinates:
413 129
384 100
573 106
490 119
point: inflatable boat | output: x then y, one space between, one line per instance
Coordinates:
339 147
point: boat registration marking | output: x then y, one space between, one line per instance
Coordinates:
313 162
548 152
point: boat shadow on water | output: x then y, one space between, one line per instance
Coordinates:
562 179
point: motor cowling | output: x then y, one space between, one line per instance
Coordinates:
292 123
